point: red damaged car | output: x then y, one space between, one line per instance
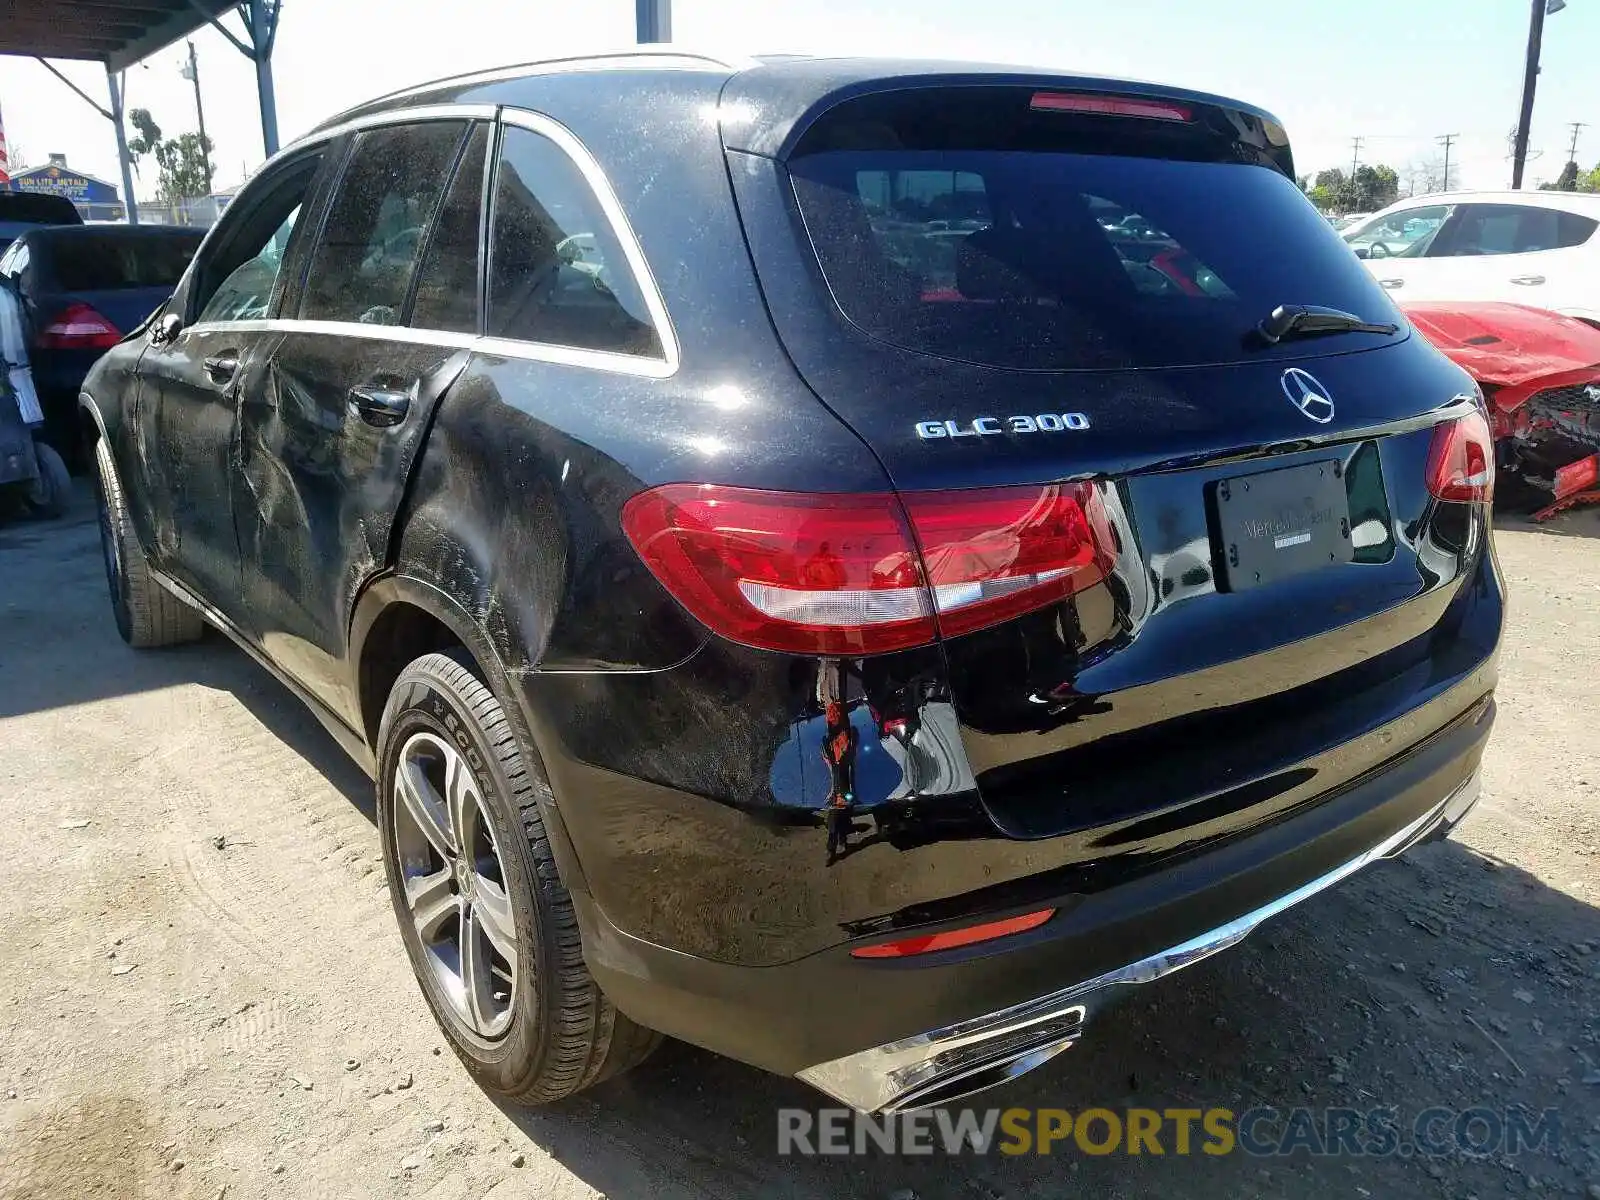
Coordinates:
1540 372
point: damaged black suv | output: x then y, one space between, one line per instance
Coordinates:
920 541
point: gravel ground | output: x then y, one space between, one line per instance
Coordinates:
203 994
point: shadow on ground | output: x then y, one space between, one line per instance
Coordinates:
1364 998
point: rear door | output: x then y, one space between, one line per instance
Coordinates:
1264 584
328 436
189 387
1521 253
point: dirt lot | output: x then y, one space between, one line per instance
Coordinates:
182 1020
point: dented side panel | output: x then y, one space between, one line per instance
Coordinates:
316 490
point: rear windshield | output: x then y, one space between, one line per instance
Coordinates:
107 262
1046 240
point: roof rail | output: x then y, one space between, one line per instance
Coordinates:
659 57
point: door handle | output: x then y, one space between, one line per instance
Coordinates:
220 368
1392 283
380 406
1527 280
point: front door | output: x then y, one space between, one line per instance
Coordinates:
328 439
191 384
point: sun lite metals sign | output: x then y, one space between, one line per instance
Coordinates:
64 181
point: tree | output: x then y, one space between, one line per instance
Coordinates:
180 160
1327 190
1428 175
1373 188
1369 189
1567 181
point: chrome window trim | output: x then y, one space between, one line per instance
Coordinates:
570 356
384 333
567 142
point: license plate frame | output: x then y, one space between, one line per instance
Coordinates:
1272 525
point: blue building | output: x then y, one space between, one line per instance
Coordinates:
96 199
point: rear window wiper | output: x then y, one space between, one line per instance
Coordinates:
1290 321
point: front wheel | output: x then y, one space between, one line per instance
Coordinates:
146 613
488 926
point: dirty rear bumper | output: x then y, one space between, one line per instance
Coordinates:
863 1030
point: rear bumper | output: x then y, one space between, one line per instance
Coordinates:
887 1034
945 1064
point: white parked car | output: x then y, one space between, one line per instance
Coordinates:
1536 248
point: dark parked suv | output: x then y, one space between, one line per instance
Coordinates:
847 563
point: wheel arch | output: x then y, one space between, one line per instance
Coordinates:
399 618
92 421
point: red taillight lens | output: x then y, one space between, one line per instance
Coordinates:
832 574
1461 460
996 553
1111 106
929 942
78 327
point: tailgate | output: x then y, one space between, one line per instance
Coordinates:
1022 286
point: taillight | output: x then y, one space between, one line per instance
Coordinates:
927 943
78 327
1461 460
1110 106
863 574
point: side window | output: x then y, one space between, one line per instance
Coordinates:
1573 230
362 264
447 283
236 279
1406 234
557 271
1514 229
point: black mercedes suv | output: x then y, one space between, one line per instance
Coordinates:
848 563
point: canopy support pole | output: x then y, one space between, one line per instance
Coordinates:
116 81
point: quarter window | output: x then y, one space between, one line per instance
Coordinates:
447 284
362 266
557 271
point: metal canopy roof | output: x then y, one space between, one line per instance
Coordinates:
116 32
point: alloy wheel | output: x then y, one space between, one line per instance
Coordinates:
454 883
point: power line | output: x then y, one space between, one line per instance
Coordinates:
1446 140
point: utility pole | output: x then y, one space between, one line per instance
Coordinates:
1447 140
1572 150
1530 81
653 21
191 72
1355 155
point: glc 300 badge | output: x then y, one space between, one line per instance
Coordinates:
994 426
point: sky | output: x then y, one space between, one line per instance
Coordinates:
1396 75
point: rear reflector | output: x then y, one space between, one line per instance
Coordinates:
1461 460
863 574
78 327
929 942
1110 106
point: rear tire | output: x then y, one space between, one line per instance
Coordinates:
535 1029
51 493
146 613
